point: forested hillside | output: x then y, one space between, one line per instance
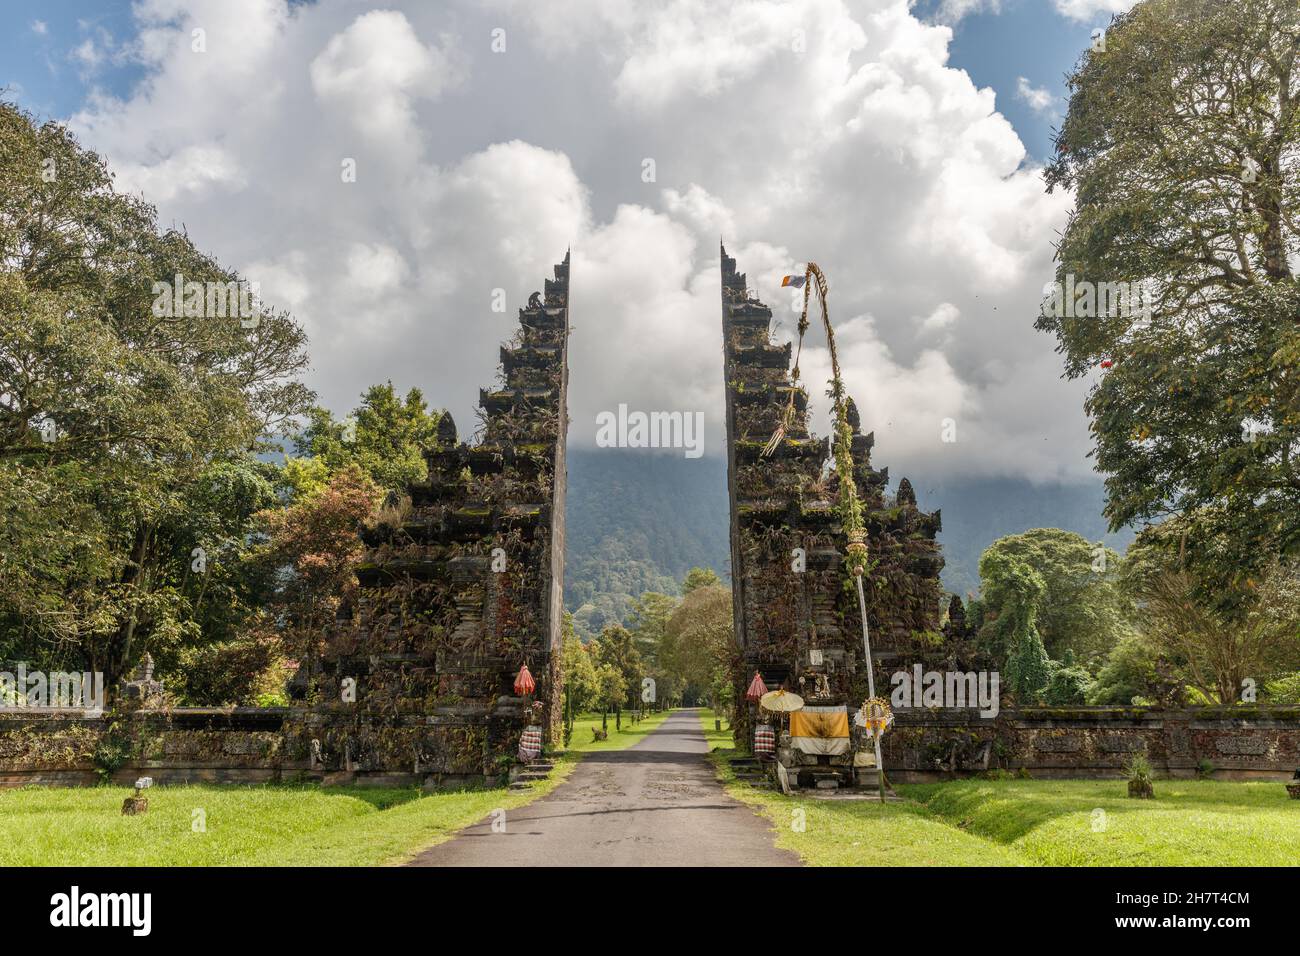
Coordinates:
638 521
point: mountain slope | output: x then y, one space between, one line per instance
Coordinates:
639 520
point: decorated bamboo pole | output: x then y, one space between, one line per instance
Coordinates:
850 506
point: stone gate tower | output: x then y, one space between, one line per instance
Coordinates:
461 586
794 626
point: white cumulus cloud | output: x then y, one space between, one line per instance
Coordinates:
1084 10
808 129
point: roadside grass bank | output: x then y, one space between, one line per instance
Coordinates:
1034 822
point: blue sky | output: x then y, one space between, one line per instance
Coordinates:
41 68
1029 39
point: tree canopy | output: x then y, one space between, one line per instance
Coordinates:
1182 147
1083 608
128 434
386 437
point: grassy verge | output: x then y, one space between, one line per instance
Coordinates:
273 825
859 832
241 826
1094 823
1036 823
718 739
584 724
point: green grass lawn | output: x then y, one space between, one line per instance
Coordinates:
273 825
1094 823
583 724
716 738
245 826
1035 823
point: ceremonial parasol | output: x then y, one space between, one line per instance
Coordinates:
524 683
756 687
781 701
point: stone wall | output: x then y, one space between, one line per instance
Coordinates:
1236 742
209 744
259 745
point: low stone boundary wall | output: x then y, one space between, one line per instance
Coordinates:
225 745
1230 742
246 745
259 745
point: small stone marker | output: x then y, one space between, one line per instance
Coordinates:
137 803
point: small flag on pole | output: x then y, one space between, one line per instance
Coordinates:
795 282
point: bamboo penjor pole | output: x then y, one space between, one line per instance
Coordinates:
850 505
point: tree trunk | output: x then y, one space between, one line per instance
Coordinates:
133 575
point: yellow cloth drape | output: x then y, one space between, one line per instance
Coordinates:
820 722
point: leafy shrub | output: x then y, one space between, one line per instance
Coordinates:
1138 769
1068 685
1129 672
112 752
1284 690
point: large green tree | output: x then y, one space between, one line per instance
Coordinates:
1219 644
126 433
1182 148
386 436
1083 610
647 621
1013 592
618 650
582 685
699 644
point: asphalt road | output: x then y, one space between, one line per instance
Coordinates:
655 804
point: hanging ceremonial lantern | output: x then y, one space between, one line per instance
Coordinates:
874 716
756 687
524 683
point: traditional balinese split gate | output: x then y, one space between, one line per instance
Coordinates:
799 620
461 588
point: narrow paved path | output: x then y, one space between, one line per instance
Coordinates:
655 804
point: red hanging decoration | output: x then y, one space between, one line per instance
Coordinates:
524 683
756 687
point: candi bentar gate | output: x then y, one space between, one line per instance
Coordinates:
419 681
